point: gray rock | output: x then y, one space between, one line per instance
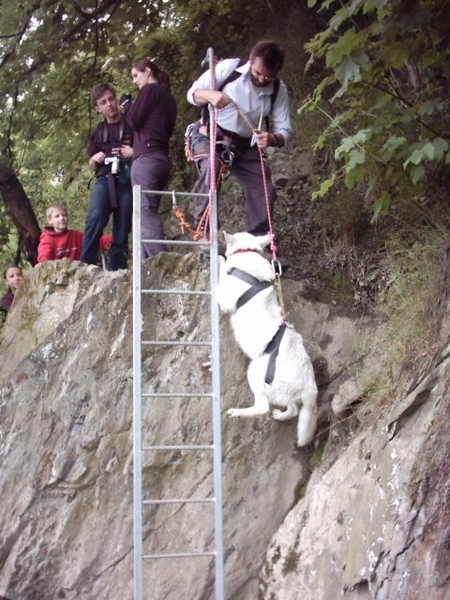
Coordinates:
372 522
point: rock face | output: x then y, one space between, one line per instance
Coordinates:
373 522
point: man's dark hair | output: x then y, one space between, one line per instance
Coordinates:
271 54
99 89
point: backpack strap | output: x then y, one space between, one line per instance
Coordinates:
106 132
276 87
235 74
273 97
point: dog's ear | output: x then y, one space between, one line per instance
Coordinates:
228 238
264 240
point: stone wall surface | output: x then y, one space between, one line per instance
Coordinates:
66 452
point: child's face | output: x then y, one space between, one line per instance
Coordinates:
58 219
13 277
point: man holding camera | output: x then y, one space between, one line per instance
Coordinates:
110 150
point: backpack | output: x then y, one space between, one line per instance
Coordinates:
232 77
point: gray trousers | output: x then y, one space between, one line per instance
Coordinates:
151 172
247 170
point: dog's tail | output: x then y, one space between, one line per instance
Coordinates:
307 423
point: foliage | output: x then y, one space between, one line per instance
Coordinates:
385 94
52 52
417 300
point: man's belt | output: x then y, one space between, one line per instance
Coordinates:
235 137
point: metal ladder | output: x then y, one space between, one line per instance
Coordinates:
140 398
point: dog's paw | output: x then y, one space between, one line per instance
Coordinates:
233 412
278 414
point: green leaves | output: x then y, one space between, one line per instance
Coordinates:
388 74
427 150
324 187
349 143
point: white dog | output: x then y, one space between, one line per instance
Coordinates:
280 373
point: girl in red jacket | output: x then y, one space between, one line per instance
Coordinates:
57 241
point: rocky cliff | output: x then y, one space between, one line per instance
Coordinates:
362 513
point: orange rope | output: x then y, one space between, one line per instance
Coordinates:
184 223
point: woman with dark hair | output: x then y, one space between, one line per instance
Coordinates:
152 116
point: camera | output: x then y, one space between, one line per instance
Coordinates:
124 100
114 161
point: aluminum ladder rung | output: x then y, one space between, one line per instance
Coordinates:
178 501
176 395
180 292
181 447
179 555
173 343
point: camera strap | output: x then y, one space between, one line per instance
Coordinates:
110 177
106 132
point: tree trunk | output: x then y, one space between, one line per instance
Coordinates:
21 212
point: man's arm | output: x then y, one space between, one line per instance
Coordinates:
265 139
200 92
94 148
217 99
95 160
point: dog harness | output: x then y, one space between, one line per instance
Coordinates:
272 348
274 345
256 286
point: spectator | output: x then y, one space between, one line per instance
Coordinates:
12 276
152 116
110 152
57 241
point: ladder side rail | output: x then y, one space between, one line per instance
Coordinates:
216 408
137 404
215 350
